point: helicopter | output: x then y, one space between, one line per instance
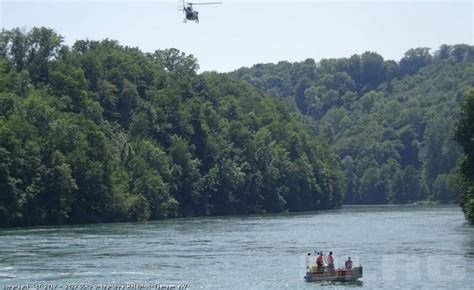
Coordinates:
190 13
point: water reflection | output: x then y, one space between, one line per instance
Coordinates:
467 231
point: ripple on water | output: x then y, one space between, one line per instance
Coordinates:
246 252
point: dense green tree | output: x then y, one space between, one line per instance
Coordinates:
415 59
465 137
373 71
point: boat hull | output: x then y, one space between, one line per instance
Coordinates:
336 275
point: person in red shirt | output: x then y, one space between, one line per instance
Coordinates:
319 260
330 261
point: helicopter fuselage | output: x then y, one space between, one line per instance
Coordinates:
191 14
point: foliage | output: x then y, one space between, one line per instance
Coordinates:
392 123
465 137
99 132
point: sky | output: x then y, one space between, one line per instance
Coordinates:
243 33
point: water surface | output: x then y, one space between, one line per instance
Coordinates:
398 246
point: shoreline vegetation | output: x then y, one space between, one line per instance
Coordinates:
465 137
100 132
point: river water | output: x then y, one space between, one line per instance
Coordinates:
398 246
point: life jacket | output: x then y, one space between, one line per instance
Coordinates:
319 260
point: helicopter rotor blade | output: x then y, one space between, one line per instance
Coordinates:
204 3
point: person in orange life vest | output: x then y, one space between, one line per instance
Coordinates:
330 261
319 260
349 263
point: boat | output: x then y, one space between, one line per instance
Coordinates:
326 273
340 275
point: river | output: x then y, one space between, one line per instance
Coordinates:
398 246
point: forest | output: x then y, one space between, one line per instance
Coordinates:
391 123
100 132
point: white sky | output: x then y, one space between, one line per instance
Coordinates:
242 33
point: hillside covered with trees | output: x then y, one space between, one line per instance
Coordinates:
391 123
99 132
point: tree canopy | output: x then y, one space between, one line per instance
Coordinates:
391 122
100 132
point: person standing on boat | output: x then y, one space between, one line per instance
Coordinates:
349 263
319 260
330 261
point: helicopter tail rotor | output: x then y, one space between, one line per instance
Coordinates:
181 5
